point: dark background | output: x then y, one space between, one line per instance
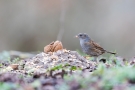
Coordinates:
29 25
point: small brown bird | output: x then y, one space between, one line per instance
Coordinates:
90 47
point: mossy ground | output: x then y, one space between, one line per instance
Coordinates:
115 73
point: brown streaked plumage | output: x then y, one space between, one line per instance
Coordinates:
97 49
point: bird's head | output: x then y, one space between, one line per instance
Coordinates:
83 36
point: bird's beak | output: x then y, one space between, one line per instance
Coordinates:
76 36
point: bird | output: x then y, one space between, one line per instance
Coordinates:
90 47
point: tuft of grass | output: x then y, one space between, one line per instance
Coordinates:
8 86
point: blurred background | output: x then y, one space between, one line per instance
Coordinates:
29 25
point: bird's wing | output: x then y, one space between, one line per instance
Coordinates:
96 48
96 45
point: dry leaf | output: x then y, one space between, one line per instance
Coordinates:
53 47
57 46
48 48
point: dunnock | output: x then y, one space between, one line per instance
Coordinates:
90 47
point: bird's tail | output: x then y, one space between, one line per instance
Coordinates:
110 52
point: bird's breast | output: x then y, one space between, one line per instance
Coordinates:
84 47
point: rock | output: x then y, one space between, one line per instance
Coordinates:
61 59
14 66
